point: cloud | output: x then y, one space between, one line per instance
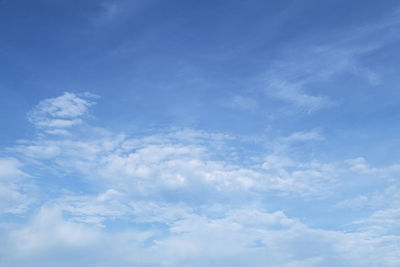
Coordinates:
48 229
360 165
179 160
54 115
238 237
9 169
303 136
303 79
383 221
382 207
16 194
178 197
94 209
293 93
241 102
184 160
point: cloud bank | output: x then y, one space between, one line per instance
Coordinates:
180 197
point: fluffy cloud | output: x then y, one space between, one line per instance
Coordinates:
176 160
53 115
181 197
237 237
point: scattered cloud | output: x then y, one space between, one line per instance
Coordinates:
179 160
171 197
286 188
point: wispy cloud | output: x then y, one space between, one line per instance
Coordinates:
304 72
303 136
241 102
294 93
16 193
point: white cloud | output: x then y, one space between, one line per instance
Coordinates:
48 229
54 114
180 160
312 179
10 169
383 221
16 194
94 209
360 165
382 206
237 237
171 199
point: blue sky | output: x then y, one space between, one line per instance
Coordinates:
199 133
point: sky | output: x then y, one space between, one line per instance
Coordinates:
199 133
